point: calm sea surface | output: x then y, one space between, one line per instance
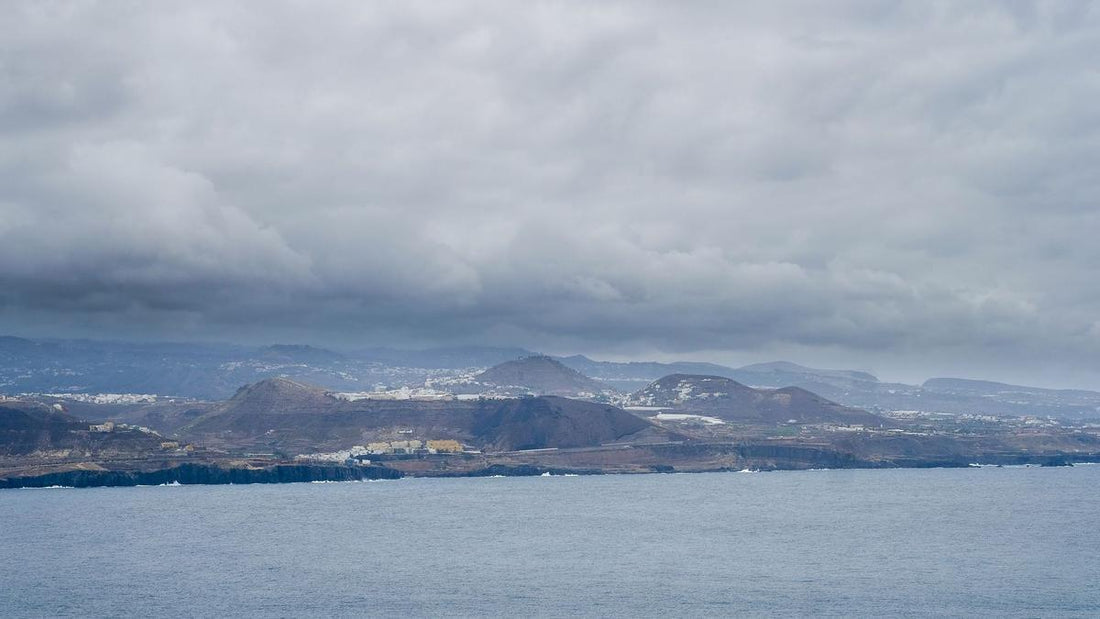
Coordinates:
991 542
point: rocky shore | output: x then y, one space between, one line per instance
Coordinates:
695 458
189 473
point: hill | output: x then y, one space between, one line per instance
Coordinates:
697 392
453 357
540 375
273 406
772 374
730 400
986 388
279 396
214 371
298 353
29 428
789 373
631 375
285 416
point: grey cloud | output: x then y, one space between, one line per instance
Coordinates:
907 183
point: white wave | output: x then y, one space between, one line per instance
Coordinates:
43 487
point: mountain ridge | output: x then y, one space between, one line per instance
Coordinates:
214 371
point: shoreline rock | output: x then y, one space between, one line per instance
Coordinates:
203 474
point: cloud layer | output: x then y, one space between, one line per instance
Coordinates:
914 184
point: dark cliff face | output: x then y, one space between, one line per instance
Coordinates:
203 474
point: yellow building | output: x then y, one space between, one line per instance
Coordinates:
379 448
445 446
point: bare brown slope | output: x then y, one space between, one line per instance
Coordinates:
274 403
280 396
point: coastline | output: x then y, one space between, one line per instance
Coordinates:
277 472
201 474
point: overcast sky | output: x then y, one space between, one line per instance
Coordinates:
910 188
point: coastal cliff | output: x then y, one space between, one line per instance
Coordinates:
189 473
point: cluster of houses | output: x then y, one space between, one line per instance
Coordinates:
360 453
414 446
419 394
110 426
103 398
167 445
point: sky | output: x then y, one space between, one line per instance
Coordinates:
905 187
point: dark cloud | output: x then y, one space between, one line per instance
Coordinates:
906 186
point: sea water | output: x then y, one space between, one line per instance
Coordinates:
967 542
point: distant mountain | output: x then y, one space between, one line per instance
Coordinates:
15 348
730 400
629 376
298 353
458 357
540 375
214 371
984 388
84 366
698 392
861 389
278 396
787 372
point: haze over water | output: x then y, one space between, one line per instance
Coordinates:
986 542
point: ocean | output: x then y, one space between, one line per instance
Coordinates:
941 542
